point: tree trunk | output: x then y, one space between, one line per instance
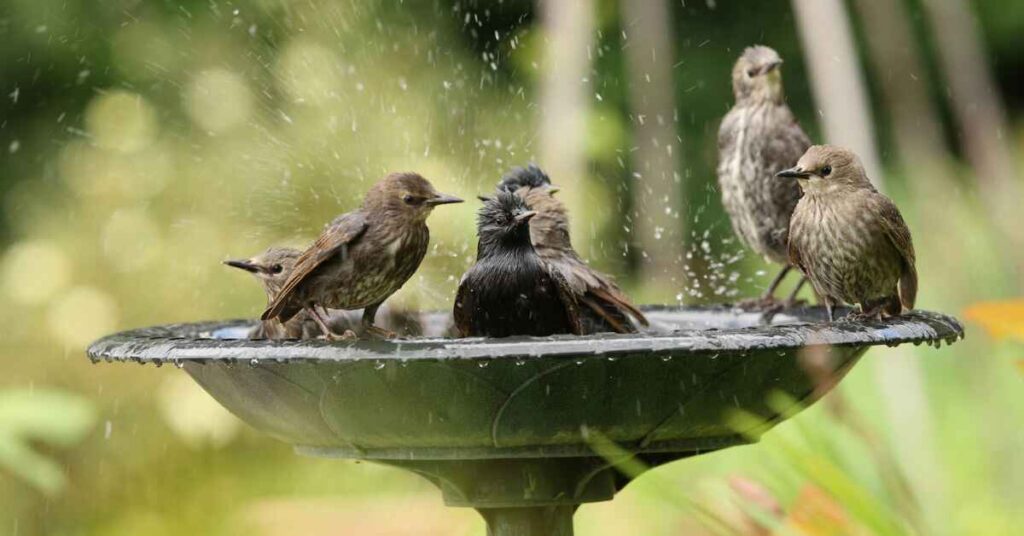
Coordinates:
657 219
896 59
837 81
568 33
979 112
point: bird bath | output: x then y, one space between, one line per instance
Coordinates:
507 426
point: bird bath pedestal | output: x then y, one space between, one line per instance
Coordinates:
507 426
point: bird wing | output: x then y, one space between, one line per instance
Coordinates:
344 230
568 299
794 251
593 288
461 312
899 235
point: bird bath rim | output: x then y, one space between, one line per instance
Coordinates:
798 328
507 448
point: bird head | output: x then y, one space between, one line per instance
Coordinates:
551 226
531 176
827 168
503 222
406 196
271 267
757 76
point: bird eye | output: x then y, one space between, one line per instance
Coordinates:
276 269
412 199
826 171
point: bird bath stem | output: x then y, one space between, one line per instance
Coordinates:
529 521
506 426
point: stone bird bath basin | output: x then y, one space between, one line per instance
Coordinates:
506 426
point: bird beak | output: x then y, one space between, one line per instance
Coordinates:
483 198
246 265
554 190
793 173
772 66
525 216
442 199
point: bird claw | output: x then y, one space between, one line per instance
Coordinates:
380 332
866 316
761 304
348 335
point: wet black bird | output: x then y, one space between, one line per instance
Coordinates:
848 239
509 291
603 305
363 256
758 138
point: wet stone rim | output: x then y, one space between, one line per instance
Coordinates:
194 342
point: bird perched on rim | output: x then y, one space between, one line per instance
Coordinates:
603 305
848 239
363 256
272 268
509 291
758 138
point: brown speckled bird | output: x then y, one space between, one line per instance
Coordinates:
604 306
363 256
758 138
848 239
272 268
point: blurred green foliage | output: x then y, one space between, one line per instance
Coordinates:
143 142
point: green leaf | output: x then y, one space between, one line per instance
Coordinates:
47 416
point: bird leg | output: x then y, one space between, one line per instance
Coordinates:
876 310
829 308
369 314
792 300
767 300
328 333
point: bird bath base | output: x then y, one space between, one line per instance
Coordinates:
508 426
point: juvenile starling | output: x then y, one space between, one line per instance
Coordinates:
363 256
604 306
758 138
847 238
508 291
272 268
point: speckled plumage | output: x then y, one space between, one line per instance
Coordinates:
848 239
366 255
758 138
603 305
509 291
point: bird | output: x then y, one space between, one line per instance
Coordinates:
604 306
509 291
757 138
272 268
848 239
363 256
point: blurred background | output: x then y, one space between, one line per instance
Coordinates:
143 142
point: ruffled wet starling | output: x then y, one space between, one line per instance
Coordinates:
847 238
363 256
509 291
758 138
603 305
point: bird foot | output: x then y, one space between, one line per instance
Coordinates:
380 332
348 335
763 303
864 316
769 311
